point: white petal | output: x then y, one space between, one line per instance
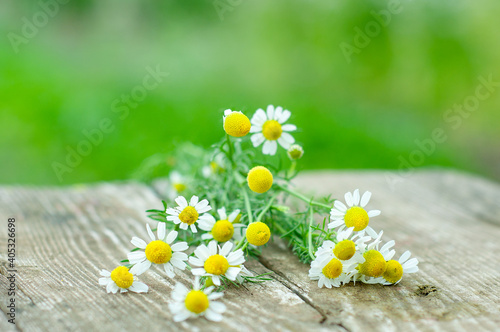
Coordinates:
257 139
182 256
172 211
222 213
373 213
233 215
255 129
104 281
259 117
355 197
284 116
411 269
193 201
215 280
270 112
193 228
161 229
139 287
348 198
404 257
212 247
283 143
232 272
136 256
178 264
226 249
217 307
278 111
202 252
105 273
196 261
366 198
112 287
289 127
139 243
171 237
182 202
287 137
198 272
184 226
140 268
213 316
150 232
272 146
180 246
340 206
201 205
169 270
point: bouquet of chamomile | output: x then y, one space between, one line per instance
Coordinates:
223 204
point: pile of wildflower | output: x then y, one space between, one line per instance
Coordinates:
225 203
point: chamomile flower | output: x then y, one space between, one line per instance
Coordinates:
269 128
193 303
223 229
260 179
236 124
295 152
178 184
216 166
395 270
216 262
354 214
331 272
346 247
121 279
375 262
257 233
159 251
188 214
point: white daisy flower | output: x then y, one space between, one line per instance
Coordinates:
354 214
216 262
269 128
193 303
187 214
161 252
346 246
178 184
332 271
396 269
121 279
223 229
216 166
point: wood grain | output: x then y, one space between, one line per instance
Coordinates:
449 220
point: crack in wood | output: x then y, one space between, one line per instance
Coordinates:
295 289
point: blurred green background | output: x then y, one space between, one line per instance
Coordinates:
71 69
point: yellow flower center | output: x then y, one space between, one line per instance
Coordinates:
122 277
237 124
180 187
196 301
222 231
356 217
333 269
189 215
158 252
393 272
272 130
258 233
260 179
374 264
216 264
344 250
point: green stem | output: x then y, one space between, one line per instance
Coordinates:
231 150
266 208
247 205
243 243
292 169
309 233
304 198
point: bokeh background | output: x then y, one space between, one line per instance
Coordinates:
68 74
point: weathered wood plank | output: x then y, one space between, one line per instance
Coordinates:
448 220
65 236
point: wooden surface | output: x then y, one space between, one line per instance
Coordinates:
449 220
